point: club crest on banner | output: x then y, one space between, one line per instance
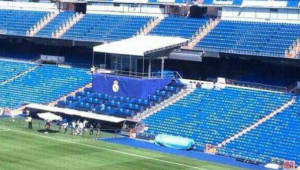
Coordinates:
115 86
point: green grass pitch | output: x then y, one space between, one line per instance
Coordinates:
25 149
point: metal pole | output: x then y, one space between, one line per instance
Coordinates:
130 65
93 62
105 59
136 65
121 67
143 66
162 67
149 68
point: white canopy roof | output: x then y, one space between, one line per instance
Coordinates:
140 45
73 112
49 116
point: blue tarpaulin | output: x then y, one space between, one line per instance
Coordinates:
127 86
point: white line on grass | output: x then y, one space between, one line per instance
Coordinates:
4 130
111 150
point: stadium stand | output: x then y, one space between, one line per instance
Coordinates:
240 122
54 24
89 100
101 27
179 26
253 38
11 69
276 138
42 85
13 22
214 115
211 24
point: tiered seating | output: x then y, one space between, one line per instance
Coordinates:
211 116
253 38
89 100
275 138
100 27
44 84
17 22
54 24
11 69
179 26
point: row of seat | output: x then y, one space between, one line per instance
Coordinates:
100 27
42 85
97 27
90 100
179 26
241 37
253 38
277 138
11 69
92 27
54 24
211 116
17 22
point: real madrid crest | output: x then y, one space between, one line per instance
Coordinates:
115 86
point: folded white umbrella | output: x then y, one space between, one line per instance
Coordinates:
49 116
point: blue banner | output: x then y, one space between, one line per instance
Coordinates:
127 86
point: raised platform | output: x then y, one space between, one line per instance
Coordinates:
72 112
141 45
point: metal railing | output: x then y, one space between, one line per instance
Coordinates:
158 74
257 85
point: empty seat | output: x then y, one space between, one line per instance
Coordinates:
179 26
211 116
101 27
251 38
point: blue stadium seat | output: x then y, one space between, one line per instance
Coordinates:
275 138
211 116
121 106
101 27
251 38
54 24
11 69
13 22
179 26
42 85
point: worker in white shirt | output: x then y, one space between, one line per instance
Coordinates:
1 112
29 120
